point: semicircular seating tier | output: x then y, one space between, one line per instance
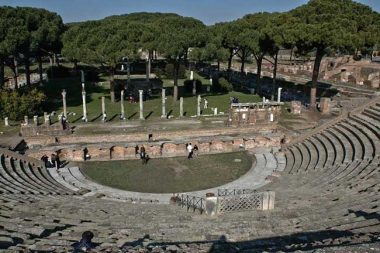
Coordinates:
328 195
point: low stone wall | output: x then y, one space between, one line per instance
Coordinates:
157 135
106 152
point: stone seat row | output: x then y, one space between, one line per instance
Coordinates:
349 140
17 176
164 220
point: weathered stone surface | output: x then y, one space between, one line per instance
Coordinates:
5 242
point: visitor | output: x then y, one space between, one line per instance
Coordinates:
57 162
45 159
53 160
195 150
205 105
86 156
85 244
142 154
136 150
190 151
63 122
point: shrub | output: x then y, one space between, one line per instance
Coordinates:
222 85
17 104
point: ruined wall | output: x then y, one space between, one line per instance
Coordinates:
179 136
100 152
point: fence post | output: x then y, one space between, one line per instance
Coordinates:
211 205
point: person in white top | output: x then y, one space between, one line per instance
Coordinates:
205 106
190 151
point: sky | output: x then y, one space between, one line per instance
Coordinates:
208 11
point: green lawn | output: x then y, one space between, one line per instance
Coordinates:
169 175
152 107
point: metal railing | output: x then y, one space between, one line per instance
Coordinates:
192 203
234 192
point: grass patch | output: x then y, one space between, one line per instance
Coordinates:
169 175
152 107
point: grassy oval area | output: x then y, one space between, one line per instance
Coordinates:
169 175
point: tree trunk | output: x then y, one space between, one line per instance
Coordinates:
40 70
128 74
112 85
175 88
230 59
259 61
275 75
75 67
147 69
27 69
2 77
13 67
218 66
291 55
242 61
314 82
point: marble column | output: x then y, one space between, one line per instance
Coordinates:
128 72
148 69
82 76
163 104
194 83
35 120
104 116
199 100
279 95
84 118
141 104
122 112
181 106
215 111
64 103
26 120
6 121
47 118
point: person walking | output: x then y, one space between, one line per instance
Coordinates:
190 151
142 154
205 103
136 150
195 150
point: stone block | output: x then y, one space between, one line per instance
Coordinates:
117 152
375 83
204 147
211 205
5 242
99 153
295 107
153 151
217 145
238 143
325 105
